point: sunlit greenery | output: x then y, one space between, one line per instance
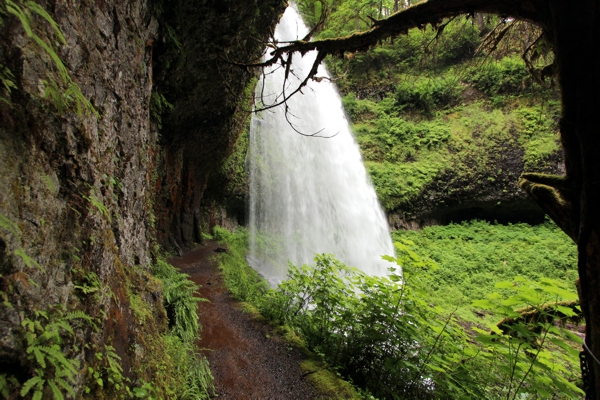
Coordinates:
472 256
428 107
396 337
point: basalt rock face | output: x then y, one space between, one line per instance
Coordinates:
79 191
76 187
491 194
211 98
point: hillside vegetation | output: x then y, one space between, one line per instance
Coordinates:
441 119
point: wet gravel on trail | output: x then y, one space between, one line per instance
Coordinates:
246 360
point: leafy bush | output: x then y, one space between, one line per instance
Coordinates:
427 95
507 75
385 335
378 331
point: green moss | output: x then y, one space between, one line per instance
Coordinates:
328 384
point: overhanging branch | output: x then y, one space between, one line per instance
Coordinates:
418 16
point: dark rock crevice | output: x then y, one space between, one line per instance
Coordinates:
210 103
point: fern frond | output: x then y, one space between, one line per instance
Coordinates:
62 70
49 335
39 10
30 262
35 381
39 357
56 394
17 11
63 366
65 385
77 314
7 224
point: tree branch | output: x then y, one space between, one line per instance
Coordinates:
418 16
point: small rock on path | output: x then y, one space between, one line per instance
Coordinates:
246 361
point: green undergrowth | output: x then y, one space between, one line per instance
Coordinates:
393 338
468 143
169 364
250 288
65 353
193 378
472 256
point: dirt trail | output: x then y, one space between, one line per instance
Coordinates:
246 361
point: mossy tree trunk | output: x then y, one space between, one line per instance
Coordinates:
577 48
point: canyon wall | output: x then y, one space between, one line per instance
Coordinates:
88 191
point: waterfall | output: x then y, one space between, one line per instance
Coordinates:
309 194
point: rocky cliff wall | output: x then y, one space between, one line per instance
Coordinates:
211 99
489 192
84 196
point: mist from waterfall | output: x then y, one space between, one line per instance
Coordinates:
309 194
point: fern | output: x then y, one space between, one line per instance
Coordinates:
35 381
45 336
55 391
7 224
62 99
96 202
30 262
7 79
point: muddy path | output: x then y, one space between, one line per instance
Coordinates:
246 360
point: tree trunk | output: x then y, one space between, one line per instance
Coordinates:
479 19
577 48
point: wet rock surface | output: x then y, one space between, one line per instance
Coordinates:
246 359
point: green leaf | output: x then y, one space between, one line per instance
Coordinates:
30 383
485 304
565 346
486 339
56 394
566 311
436 368
504 285
571 336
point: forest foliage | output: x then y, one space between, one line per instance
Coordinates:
401 337
440 104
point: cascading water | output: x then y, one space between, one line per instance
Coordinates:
309 195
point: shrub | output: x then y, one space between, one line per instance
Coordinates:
427 95
386 335
508 75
